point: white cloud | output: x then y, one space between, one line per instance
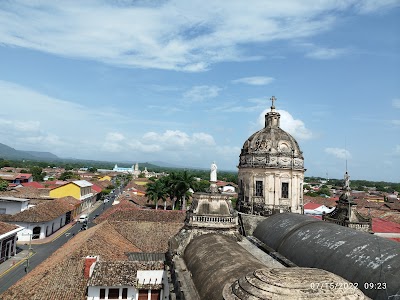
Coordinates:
325 53
338 152
375 5
396 103
203 138
396 122
139 146
201 92
255 80
178 140
175 35
293 126
115 137
397 150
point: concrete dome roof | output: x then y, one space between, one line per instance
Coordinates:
358 257
271 147
291 283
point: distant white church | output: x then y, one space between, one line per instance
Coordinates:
134 170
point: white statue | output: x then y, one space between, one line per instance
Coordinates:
213 174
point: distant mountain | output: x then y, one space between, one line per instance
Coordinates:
43 155
7 152
165 165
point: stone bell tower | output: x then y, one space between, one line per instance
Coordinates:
271 170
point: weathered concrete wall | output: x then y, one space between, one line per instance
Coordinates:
250 222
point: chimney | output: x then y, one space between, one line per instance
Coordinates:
89 262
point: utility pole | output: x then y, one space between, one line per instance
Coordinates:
29 253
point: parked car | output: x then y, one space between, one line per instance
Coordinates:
83 218
106 200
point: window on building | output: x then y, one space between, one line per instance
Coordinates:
113 293
259 188
102 293
125 293
285 190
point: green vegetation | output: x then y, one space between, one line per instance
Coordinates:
157 191
3 185
175 186
360 185
69 175
37 173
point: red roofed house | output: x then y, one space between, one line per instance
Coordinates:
316 209
8 240
34 184
96 189
23 177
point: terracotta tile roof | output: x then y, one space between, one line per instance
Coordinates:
61 275
368 204
5 227
379 225
393 216
103 184
328 202
120 272
27 192
393 206
129 212
96 188
46 211
148 236
224 183
311 205
23 176
8 176
33 184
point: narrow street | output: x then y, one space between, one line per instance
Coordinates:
43 251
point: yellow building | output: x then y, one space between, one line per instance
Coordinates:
79 189
106 177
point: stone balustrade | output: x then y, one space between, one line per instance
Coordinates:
211 219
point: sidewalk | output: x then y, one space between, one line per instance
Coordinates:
21 257
14 261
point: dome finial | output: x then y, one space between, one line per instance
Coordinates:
273 99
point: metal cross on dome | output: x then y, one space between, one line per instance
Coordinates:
273 99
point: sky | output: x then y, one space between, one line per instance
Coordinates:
187 82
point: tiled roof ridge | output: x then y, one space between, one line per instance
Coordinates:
125 238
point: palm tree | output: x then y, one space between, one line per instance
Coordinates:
170 183
184 183
156 191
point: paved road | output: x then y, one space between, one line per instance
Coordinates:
43 251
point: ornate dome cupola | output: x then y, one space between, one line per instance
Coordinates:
271 170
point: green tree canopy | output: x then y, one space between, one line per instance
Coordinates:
3 185
157 191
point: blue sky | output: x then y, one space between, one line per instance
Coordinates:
187 82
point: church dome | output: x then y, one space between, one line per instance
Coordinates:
271 147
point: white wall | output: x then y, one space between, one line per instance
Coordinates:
24 235
14 207
143 277
94 292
